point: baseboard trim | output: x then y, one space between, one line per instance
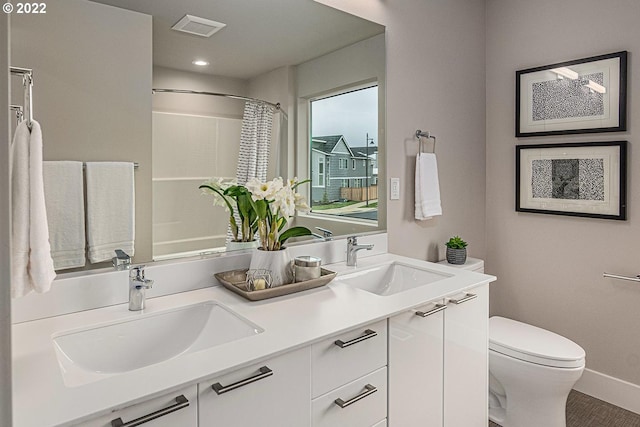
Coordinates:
613 390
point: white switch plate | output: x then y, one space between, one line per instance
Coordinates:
395 188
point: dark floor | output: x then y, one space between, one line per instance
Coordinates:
587 411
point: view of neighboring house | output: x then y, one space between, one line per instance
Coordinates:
335 166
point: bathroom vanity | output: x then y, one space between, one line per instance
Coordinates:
337 355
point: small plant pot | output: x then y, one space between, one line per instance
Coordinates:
456 256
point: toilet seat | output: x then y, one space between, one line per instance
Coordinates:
532 344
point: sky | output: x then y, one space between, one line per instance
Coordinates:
352 114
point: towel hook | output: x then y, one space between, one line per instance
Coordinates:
427 135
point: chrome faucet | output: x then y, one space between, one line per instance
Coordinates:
122 261
138 284
352 250
326 234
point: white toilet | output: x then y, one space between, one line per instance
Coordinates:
531 372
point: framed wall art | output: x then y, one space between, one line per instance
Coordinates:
581 96
579 179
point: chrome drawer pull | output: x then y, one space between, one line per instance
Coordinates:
368 389
437 308
264 373
181 403
367 334
467 297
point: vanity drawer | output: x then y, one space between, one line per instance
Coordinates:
179 408
350 355
364 403
272 393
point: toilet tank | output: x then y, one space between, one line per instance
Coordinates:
473 264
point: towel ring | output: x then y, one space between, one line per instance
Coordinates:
425 134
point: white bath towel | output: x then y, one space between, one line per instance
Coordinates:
110 209
64 195
427 203
31 263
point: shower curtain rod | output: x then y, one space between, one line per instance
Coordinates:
225 95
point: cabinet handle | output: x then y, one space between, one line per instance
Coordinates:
467 297
264 373
181 403
368 389
437 308
367 334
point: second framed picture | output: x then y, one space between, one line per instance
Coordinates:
578 179
581 96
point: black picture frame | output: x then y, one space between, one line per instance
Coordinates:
562 98
585 179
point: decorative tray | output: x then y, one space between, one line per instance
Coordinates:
236 281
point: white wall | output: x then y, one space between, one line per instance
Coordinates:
550 267
436 82
92 90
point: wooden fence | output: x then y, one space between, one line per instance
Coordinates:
359 194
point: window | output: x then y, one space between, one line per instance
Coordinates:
344 126
320 172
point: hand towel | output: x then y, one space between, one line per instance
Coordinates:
110 209
64 197
427 202
31 263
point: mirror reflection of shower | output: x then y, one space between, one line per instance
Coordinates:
196 138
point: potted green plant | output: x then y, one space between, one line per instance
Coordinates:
456 250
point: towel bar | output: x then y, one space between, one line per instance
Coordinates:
427 135
616 276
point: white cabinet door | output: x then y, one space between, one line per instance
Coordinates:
466 359
274 393
174 409
415 367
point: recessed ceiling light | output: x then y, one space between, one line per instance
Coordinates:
200 62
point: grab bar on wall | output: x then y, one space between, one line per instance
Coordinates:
616 276
425 134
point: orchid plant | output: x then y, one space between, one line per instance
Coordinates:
274 203
227 193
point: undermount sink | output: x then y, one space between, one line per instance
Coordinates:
92 353
392 278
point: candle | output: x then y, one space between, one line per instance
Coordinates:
259 284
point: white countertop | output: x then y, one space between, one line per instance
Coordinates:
40 397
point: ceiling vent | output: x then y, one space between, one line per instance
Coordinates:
198 26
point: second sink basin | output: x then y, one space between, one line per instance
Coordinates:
88 354
392 278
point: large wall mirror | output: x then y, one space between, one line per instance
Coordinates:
95 64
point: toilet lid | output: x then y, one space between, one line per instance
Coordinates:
532 344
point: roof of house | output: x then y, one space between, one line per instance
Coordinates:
327 143
364 151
